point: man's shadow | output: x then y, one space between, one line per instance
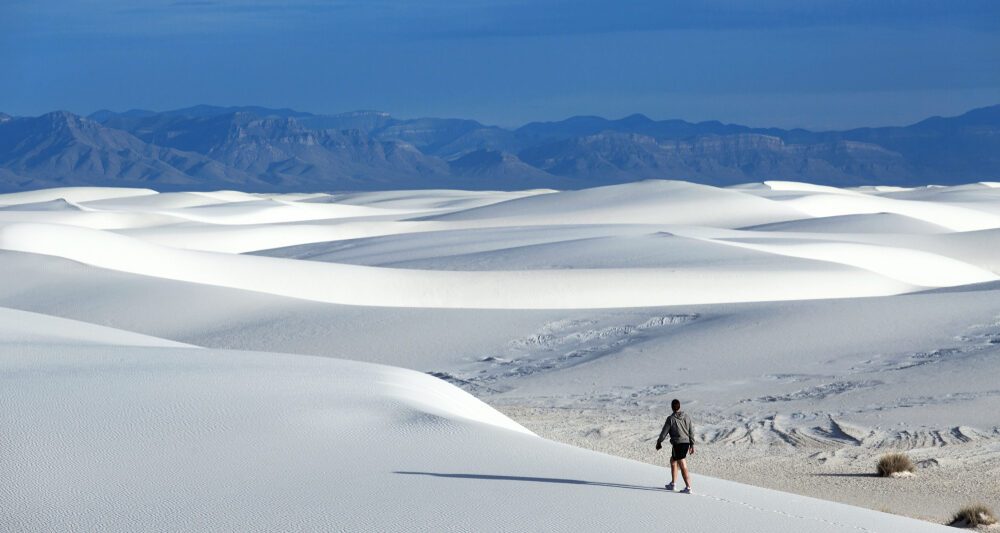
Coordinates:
825 474
534 480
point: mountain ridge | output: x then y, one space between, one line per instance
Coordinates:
257 148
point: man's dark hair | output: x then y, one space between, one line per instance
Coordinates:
675 405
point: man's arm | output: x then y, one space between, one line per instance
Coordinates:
663 434
691 434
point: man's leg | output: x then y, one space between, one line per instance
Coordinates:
673 472
684 471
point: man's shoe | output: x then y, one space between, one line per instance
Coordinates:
669 486
686 490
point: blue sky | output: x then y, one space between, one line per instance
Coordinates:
808 63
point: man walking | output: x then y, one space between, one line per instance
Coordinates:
681 432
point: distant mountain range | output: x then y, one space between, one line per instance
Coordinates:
260 149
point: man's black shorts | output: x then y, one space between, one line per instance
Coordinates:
680 451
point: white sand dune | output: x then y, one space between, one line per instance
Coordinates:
852 224
127 438
271 211
91 219
493 261
959 208
981 248
166 200
644 202
236 239
530 247
798 186
21 327
360 285
859 359
980 192
954 217
912 267
73 194
428 199
792 319
59 204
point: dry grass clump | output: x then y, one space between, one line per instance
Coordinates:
974 516
894 463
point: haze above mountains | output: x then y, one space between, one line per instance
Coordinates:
261 149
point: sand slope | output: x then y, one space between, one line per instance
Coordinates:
121 439
533 289
795 321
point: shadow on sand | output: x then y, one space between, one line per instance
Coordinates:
534 480
847 475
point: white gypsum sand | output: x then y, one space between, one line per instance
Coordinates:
805 335
142 435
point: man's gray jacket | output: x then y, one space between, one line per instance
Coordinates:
680 429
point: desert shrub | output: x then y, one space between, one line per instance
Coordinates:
893 463
973 516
